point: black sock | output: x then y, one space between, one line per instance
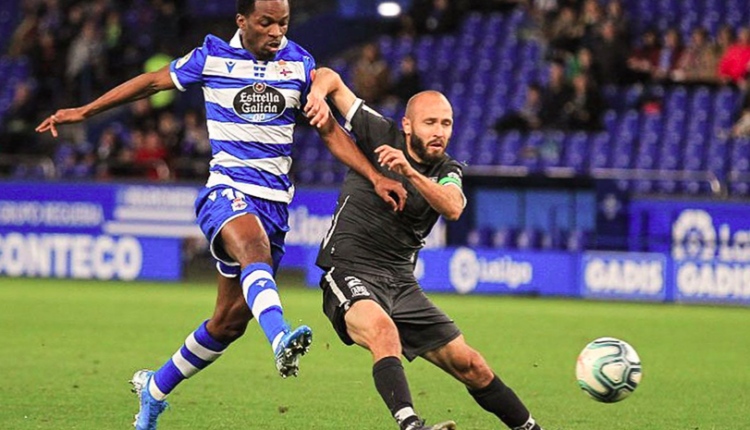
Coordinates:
499 399
390 380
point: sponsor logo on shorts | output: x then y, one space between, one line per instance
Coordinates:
356 287
238 204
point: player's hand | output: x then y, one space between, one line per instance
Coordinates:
62 116
393 159
387 189
317 109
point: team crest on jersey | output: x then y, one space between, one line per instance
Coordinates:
238 204
259 103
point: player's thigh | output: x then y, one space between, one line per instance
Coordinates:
246 241
344 290
421 324
369 325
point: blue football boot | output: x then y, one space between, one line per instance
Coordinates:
293 344
150 408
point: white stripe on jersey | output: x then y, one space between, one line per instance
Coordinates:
216 178
276 165
176 81
224 97
270 134
249 69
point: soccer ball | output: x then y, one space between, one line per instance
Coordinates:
608 370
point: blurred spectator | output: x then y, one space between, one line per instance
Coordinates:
150 148
409 82
742 127
644 59
195 142
21 120
616 14
610 51
670 55
142 115
527 118
109 145
371 75
583 111
149 151
84 62
591 20
555 97
733 66
724 39
698 63
566 31
582 64
435 16
170 130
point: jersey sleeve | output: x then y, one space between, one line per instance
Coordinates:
369 127
188 70
451 175
310 66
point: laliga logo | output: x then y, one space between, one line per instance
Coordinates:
467 270
694 236
464 268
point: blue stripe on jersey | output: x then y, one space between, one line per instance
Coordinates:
190 70
215 112
255 177
221 82
250 150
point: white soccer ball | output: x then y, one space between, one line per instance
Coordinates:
608 370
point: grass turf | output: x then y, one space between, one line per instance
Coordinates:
69 348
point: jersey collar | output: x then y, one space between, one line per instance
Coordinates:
236 41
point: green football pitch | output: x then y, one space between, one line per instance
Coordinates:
69 348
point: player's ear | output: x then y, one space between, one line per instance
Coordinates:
240 20
406 124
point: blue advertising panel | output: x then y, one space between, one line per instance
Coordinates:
485 271
621 275
94 231
709 243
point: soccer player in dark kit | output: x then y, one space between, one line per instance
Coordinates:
370 293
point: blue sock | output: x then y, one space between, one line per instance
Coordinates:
262 298
199 350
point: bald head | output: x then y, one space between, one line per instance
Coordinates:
428 125
419 101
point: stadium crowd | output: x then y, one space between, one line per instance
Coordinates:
67 53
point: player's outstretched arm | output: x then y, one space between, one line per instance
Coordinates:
447 200
328 83
343 148
141 86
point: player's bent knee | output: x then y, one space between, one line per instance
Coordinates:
472 369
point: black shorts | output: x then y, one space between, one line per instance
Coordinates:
421 325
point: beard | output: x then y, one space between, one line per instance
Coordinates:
420 148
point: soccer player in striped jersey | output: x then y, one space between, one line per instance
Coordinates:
254 87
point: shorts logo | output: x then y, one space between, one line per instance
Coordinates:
259 103
356 287
238 204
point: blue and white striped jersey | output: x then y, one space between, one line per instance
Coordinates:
251 107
